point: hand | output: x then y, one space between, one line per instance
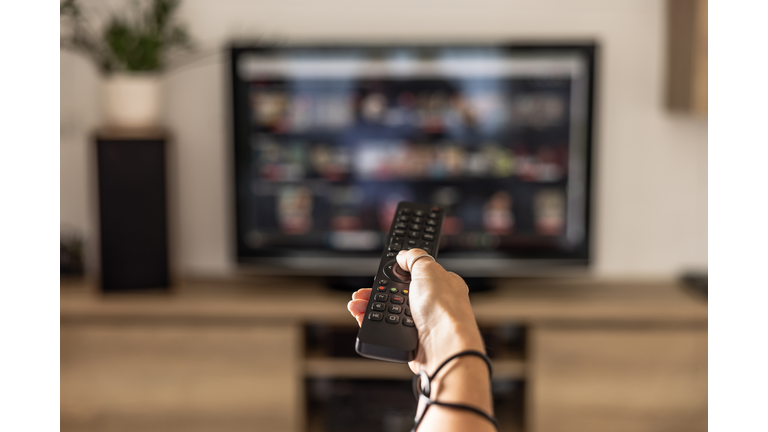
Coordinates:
440 308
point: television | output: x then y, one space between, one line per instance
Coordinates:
329 138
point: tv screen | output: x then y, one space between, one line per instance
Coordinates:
328 139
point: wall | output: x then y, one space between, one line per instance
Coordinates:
651 180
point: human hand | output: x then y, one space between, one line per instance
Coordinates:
440 309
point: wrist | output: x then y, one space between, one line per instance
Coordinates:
448 338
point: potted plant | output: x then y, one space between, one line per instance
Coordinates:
131 50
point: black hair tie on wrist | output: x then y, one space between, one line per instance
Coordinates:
422 388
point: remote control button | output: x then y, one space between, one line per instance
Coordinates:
419 213
396 309
393 290
397 299
418 220
431 223
391 254
408 311
401 225
405 292
375 316
381 297
378 306
381 289
405 211
430 230
403 218
436 209
383 281
412 242
393 319
429 237
408 322
414 234
394 272
398 233
433 216
402 274
415 227
395 245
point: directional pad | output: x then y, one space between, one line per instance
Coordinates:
393 271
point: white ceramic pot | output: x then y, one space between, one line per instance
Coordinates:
132 100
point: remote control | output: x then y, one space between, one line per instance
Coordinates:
388 332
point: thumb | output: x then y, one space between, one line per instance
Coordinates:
405 259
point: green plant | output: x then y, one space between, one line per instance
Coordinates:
140 41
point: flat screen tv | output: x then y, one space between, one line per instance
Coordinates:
328 139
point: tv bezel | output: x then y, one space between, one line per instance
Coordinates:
558 263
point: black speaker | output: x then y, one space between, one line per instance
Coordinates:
132 213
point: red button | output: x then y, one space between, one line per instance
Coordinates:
381 288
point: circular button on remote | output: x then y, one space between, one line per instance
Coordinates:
394 272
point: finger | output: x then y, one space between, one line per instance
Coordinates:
357 309
405 259
362 294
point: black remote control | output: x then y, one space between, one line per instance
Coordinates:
388 332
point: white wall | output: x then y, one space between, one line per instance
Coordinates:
651 179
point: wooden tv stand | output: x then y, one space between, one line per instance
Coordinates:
231 355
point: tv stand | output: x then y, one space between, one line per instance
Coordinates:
275 352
